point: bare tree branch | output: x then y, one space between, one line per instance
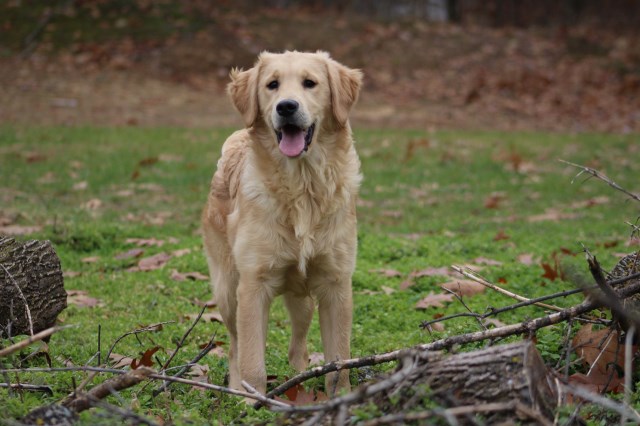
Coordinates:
31 339
602 177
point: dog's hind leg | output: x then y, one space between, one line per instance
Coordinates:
300 312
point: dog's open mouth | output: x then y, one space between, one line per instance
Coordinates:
293 141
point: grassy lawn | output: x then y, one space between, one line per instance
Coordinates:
428 200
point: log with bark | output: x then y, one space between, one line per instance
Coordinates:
31 287
496 384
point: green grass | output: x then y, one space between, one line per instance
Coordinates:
423 205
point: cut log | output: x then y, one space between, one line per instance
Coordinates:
504 373
31 287
504 384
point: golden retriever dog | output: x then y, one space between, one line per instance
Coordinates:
281 213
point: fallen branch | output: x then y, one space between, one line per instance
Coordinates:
491 311
525 327
81 402
153 376
31 339
28 387
472 275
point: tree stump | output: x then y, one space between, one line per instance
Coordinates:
31 287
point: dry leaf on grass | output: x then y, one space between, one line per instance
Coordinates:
387 290
90 259
82 299
146 359
463 287
145 242
316 358
183 276
16 230
486 261
434 300
199 373
129 254
120 361
390 273
211 303
603 354
152 263
298 395
180 252
214 316
526 259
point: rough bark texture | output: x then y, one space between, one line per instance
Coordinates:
31 275
502 373
501 384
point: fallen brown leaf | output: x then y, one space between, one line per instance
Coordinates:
526 259
82 299
434 300
463 287
129 254
316 358
387 272
145 242
15 230
180 252
152 263
387 290
146 359
183 276
121 361
485 261
214 316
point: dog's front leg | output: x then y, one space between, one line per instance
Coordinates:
252 315
335 308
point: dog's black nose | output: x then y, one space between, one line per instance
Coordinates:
287 108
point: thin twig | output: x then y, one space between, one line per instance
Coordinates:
495 311
210 346
584 393
459 298
24 299
121 372
475 277
260 397
628 370
602 177
149 328
183 339
31 339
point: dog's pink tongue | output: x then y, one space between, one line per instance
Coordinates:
292 142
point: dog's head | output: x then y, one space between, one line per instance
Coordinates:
294 94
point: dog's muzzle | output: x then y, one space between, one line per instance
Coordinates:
293 139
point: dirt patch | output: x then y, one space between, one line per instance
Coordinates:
418 75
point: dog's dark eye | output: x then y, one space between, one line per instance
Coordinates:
309 84
273 85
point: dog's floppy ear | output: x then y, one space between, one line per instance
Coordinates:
243 91
345 86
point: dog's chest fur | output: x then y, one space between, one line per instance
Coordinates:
305 199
